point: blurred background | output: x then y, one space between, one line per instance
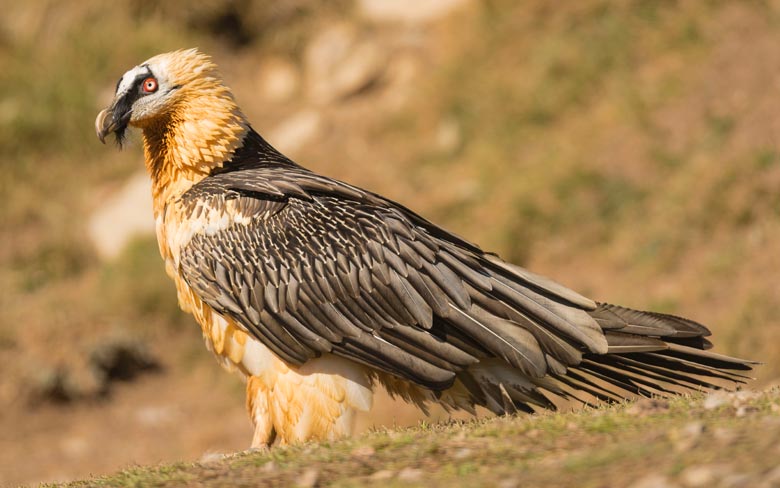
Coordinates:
626 148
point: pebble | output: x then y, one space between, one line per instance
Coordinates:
410 474
155 415
715 400
648 406
462 453
211 457
702 475
743 410
382 474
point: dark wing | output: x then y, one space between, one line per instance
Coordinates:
321 266
314 265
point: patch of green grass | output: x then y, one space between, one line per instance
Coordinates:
584 447
766 158
604 458
141 477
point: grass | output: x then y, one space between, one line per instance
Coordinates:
613 445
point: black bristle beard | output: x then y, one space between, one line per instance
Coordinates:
121 136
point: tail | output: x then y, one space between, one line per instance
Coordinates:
648 354
652 354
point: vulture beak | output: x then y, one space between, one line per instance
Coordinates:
114 119
104 123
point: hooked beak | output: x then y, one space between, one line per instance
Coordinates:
104 123
112 119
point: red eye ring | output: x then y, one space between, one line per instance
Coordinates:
149 85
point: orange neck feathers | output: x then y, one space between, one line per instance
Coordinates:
199 134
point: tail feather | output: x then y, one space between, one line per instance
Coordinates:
660 374
619 379
649 354
620 342
650 380
646 323
580 382
714 360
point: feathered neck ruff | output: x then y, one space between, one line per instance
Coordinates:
198 135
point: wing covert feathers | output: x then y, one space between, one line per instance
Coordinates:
311 266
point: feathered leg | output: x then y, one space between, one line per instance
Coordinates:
257 405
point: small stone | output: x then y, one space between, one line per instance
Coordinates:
211 457
653 481
462 453
693 429
715 400
410 474
743 410
382 474
648 406
702 475
308 479
745 396
154 416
